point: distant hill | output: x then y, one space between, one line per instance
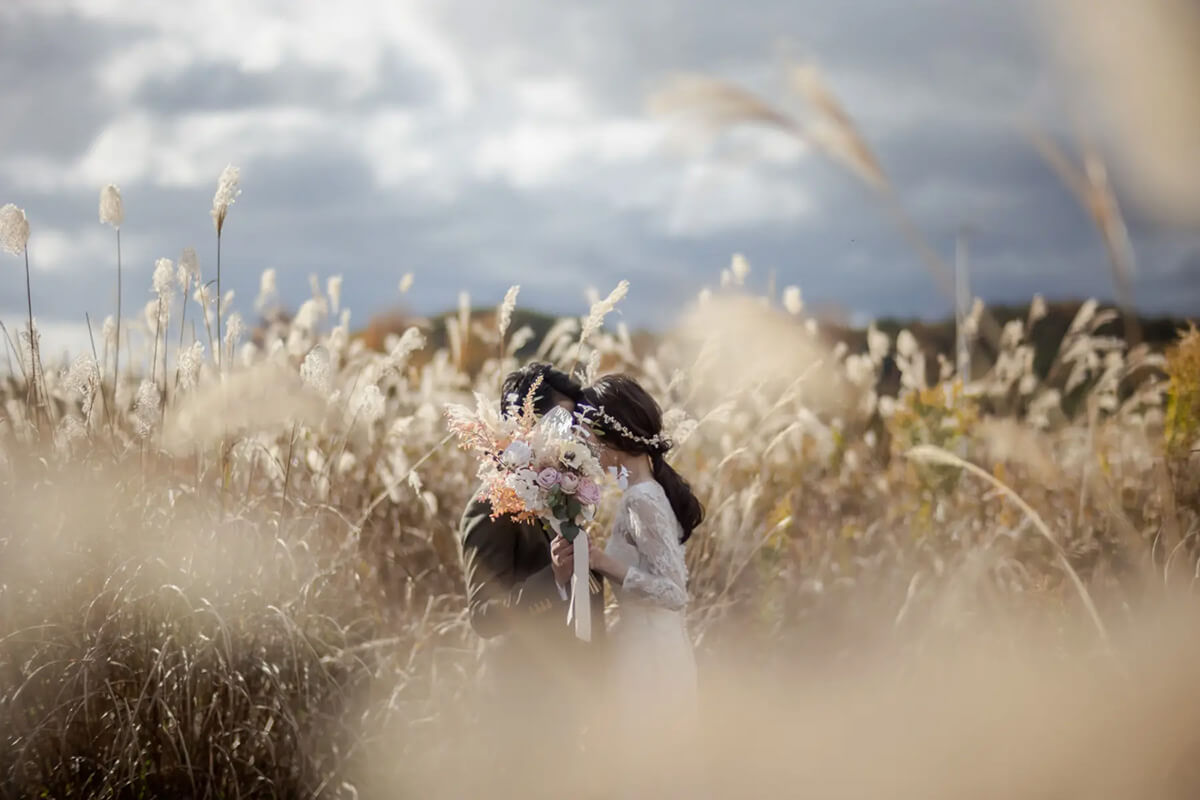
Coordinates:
933 336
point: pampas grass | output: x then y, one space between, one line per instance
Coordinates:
252 586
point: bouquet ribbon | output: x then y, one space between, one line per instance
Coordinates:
579 613
579 609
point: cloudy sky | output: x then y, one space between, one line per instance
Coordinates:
479 144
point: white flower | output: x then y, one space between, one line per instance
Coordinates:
112 210
406 283
517 454
793 301
572 454
906 344
705 296
524 483
14 230
227 192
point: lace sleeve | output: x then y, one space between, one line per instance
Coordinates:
661 575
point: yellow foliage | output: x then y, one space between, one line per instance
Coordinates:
1183 393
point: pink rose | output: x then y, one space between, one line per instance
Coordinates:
568 482
589 492
547 478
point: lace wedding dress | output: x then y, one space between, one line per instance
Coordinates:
653 666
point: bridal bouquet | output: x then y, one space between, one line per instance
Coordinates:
532 469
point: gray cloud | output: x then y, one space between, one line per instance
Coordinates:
394 174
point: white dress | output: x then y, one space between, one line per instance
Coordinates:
653 666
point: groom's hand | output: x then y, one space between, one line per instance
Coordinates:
562 554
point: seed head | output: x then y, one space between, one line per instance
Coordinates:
14 230
334 290
112 210
793 301
267 290
504 314
602 309
189 269
227 193
740 268
164 279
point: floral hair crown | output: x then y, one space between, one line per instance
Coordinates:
658 442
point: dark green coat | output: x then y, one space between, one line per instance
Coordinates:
513 603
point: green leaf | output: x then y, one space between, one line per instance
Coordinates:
570 531
574 507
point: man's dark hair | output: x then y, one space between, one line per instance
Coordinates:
555 387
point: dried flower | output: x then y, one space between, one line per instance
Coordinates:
599 311
906 344
406 283
505 312
112 210
227 193
14 230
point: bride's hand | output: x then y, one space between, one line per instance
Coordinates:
605 564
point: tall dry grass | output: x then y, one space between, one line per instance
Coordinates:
255 588
239 576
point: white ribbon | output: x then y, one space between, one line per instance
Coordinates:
579 611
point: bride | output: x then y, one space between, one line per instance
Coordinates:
653 667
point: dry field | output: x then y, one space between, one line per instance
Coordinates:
228 562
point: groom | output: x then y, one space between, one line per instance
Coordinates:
518 587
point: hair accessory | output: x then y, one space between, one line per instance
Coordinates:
658 442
